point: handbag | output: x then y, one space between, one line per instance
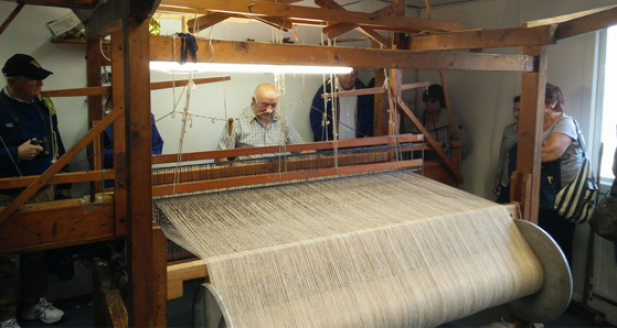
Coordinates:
576 201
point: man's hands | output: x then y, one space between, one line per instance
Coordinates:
27 151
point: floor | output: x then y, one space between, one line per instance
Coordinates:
78 313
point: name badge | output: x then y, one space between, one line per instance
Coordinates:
9 125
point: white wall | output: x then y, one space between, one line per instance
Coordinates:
478 98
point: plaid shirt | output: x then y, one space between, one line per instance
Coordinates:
247 132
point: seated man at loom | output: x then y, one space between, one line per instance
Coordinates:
257 126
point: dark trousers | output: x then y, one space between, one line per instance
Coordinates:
32 269
34 285
560 229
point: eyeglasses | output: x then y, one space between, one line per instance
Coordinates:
430 99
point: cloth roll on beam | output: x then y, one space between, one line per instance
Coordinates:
385 250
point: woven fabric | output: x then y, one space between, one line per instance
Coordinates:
389 250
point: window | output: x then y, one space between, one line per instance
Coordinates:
609 115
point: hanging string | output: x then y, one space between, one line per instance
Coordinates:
334 85
324 118
185 117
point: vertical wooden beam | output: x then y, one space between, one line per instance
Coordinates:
526 184
118 102
380 113
396 81
139 154
160 276
95 105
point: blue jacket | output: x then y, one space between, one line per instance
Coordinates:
364 116
108 141
20 122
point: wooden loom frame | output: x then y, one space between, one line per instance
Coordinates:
128 212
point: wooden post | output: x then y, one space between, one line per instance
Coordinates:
396 81
380 114
95 106
526 181
139 154
160 276
117 93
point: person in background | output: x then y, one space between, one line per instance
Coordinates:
510 137
31 142
108 141
355 113
562 157
435 119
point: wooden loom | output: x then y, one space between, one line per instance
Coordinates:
128 212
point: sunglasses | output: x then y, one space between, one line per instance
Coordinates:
430 99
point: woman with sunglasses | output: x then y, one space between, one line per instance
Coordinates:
435 119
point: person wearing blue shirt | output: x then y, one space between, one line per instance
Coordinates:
30 144
108 141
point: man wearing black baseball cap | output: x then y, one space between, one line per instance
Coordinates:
30 143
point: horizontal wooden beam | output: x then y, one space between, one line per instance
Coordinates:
414 85
57 224
77 92
351 93
216 154
565 18
510 37
586 24
178 273
264 8
282 177
73 177
101 91
240 52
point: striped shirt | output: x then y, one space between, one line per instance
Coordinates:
247 132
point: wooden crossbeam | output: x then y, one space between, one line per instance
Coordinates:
312 146
101 91
414 85
211 18
44 178
56 224
236 52
262 8
429 139
350 93
586 24
373 35
73 177
12 16
567 17
288 176
345 27
510 37
335 30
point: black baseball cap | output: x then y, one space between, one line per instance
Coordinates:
24 65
